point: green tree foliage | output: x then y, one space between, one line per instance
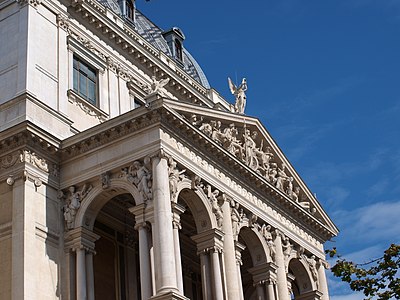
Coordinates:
377 279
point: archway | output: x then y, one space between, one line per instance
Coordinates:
300 279
195 217
255 266
116 263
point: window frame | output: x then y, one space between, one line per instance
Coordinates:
85 80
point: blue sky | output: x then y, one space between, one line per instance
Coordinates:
324 78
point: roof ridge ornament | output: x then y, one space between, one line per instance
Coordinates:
240 96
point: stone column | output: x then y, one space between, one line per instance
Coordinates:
205 275
270 289
216 274
281 272
163 237
239 248
322 284
290 280
82 241
90 274
177 211
229 253
81 273
144 250
209 247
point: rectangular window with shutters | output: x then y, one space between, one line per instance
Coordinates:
85 81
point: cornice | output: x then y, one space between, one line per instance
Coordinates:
138 50
108 132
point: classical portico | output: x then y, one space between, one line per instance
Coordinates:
242 247
123 175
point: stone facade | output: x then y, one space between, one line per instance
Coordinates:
153 186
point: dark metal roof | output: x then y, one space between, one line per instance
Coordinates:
153 34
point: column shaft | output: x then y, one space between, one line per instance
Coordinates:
229 254
178 263
144 258
163 239
205 275
90 275
217 280
270 291
322 284
240 285
281 272
81 274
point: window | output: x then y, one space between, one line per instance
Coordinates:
178 50
85 81
130 10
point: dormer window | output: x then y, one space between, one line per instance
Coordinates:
174 38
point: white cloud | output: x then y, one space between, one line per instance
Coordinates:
377 222
354 296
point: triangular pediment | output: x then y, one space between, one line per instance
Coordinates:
246 140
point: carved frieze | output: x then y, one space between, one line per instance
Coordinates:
84 105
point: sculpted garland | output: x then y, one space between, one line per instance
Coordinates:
259 159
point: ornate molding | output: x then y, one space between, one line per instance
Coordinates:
31 158
88 108
109 135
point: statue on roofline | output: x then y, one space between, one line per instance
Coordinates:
240 96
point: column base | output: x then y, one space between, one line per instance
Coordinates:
312 295
169 296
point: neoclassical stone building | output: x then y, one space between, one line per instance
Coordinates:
123 175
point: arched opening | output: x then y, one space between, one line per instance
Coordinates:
254 269
299 279
116 263
193 221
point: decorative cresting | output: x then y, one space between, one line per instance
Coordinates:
139 174
242 144
72 202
